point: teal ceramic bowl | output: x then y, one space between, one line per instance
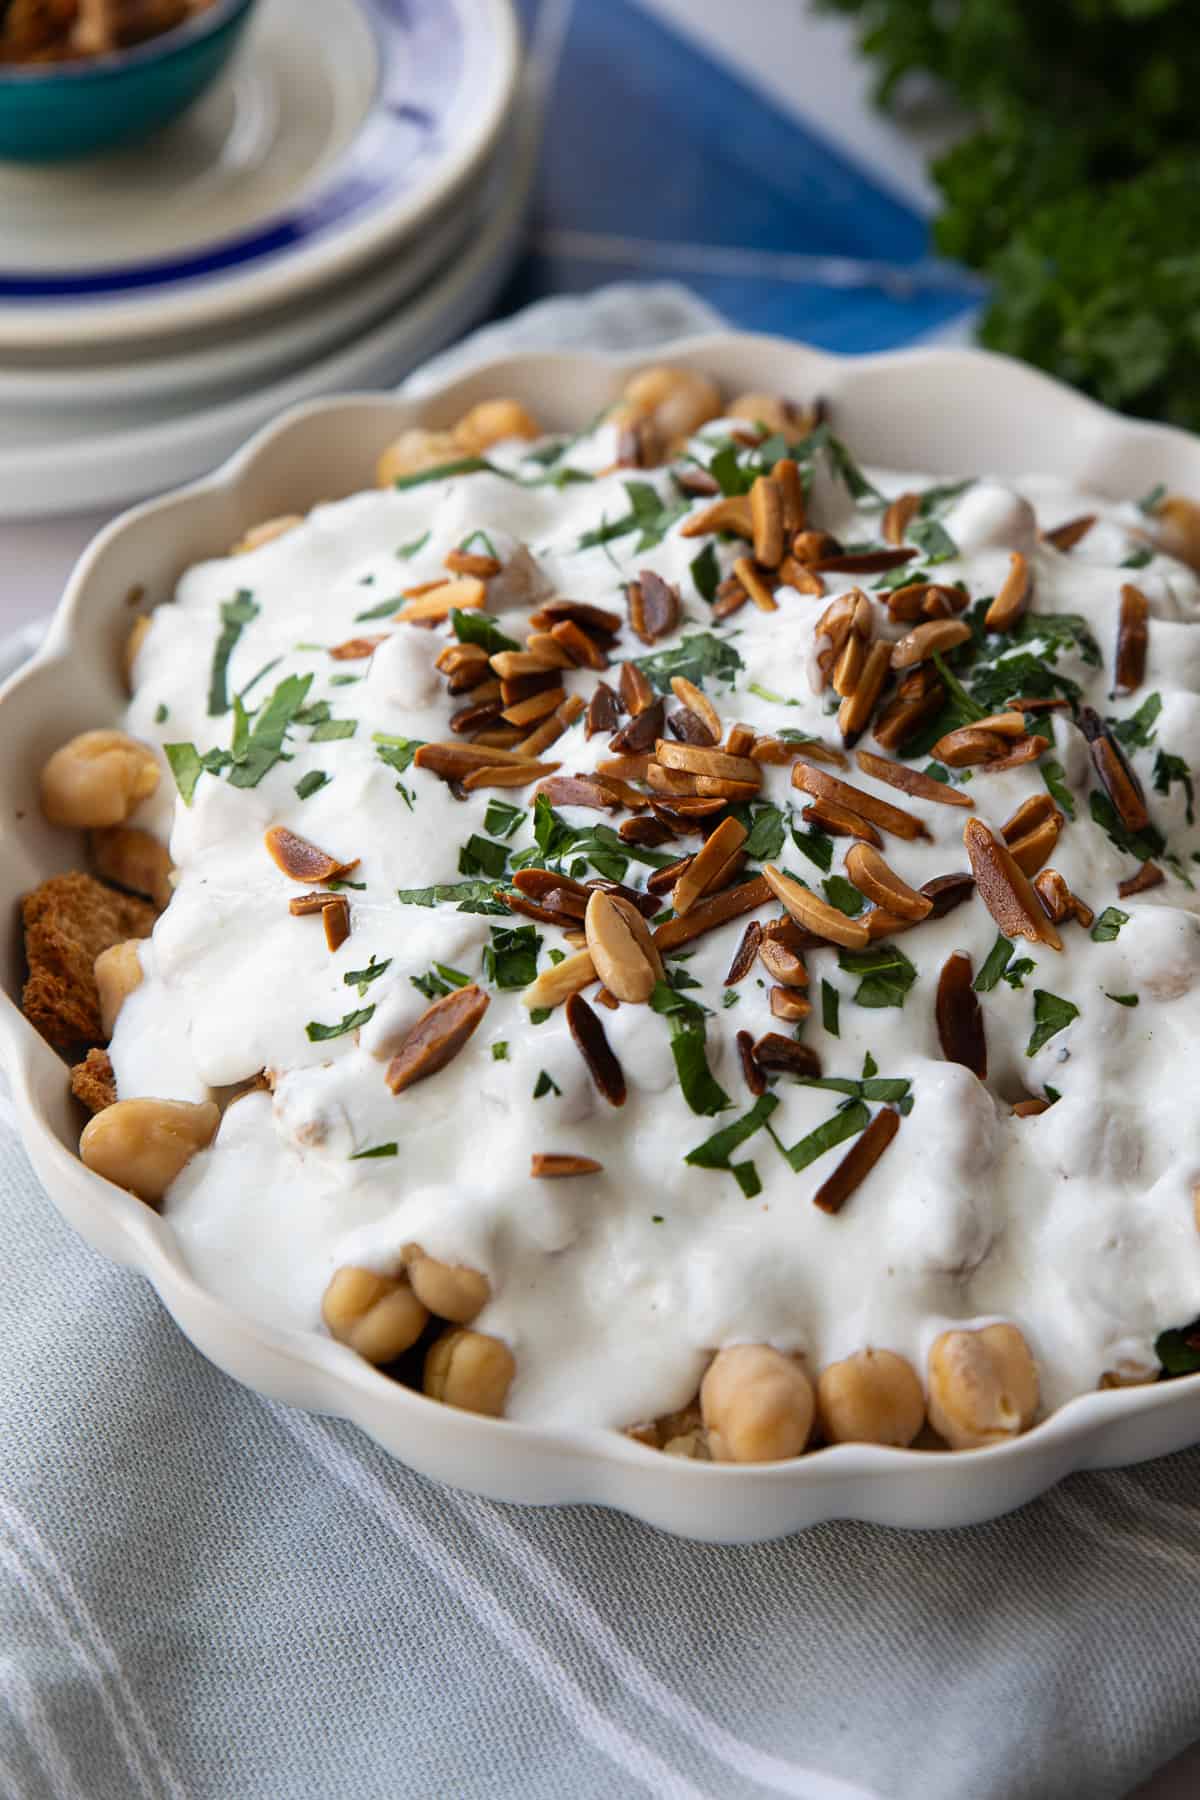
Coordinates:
51 112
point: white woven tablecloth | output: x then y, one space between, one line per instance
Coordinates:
206 1596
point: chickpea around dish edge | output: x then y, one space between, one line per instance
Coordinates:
142 1145
376 1315
451 1291
983 1386
469 1370
675 402
118 971
872 1397
420 447
98 778
757 1405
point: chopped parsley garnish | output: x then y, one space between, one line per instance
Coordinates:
319 1034
847 1122
1150 503
701 1090
1122 999
332 731
706 573
1108 925
845 896
437 981
1137 559
312 783
479 537
396 752
236 614
187 768
500 1050
1137 731
730 998
472 626
830 1002
998 959
376 1151
887 974
1016 972
815 845
465 465
545 1085
697 657
932 540
482 856
568 849
362 978
383 610
649 514
1055 778
765 827
890 1090
937 500
264 745
1143 844
1169 769
539 1014
510 960
1050 1016
501 819
468 896
160 713
715 1152
406 552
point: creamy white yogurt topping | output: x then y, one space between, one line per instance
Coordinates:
612 1290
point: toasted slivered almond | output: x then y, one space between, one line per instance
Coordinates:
813 913
786 476
906 604
740 741
854 714
789 1004
475 718
556 984
840 821
731 903
766 518
1060 903
550 729
943 602
904 716
753 1076
690 728
911 781
707 864
1133 639
793 574
336 919
1005 889
650 833
506 775
730 514
554 1165
465 562
1010 724
1148 876
464 754
538 706
595 619
636 689
1030 813
642 732
712 787
1013 597
687 817
960 1016
423 587
1028 750
549 650
580 790
752 580
541 882
689 695
863 562
508 664
745 954
1120 782
921 642
595 1049
782 963
1070 532
731 597
622 950
968 745
849 666
458 656
694 759
437 1037
858 1161
583 649
654 606
603 711
355 649
302 860
843 793
466 594
899 516
623 768
664 879
469 677
880 883
673 783
300 905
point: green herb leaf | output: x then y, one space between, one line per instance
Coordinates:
1050 1016
501 819
706 573
160 714
510 960
465 465
1016 972
264 746
235 616
846 1123
500 1050
747 1177
362 978
1122 999
932 540
998 959
1108 925
332 731
311 783
545 1085
482 856
1143 844
1137 731
1055 778
715 1152
887 974
1137 559
468 896
376 1151
1169 769
844 895
698 657
473 626
765 827
437 981
396 752
186 767
815 845
319 1034
406 552
830 1001
384 610
1150 503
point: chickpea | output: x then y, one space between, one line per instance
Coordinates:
1178 527
374 1314
872 1397
98 778
449 1290
467 1369
118 972
133 643
771 410
491 422
143 1145
134 859
265 533
414 450
676 401
757 1405
983 1386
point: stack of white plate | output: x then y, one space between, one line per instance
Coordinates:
347 201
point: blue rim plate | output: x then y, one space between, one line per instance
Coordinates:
445 75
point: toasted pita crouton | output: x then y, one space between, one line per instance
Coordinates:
132 859
68 921
92 1081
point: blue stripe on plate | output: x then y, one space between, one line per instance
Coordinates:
421 56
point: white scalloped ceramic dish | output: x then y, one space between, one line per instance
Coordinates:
936 410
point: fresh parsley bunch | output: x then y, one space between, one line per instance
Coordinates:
1077 192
